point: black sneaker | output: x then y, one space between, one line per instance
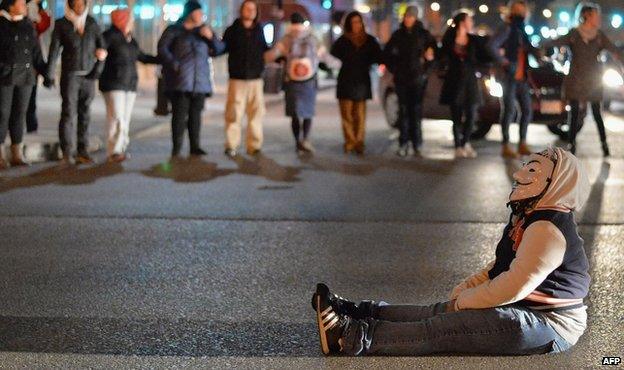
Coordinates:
331 324
403 151
605 150
231 153
341 305
198 152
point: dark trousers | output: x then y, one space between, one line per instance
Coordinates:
186 111
300 127
77 93
13 106
463 116
521 91
575 120
32 124
410 114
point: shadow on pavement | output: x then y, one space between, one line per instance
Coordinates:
263 166
187 170
61 175
373 163
157 337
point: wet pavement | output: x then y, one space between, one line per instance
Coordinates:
209 263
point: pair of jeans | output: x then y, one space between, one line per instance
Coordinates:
411 330
463 116
410 114
32 123
186 111
77 93
514 90
13 106
574 120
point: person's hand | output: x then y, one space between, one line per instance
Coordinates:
206 32
429 55
101 54
48 83
450 306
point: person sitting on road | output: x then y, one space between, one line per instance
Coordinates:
528 300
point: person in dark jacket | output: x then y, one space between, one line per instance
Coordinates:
20 57
79 38
461 56
185 50
41 20
584 82
408 56
358 51
246 46
510 46
118 81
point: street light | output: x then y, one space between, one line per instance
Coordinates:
564 17
483 8
435 7
547 13
616 21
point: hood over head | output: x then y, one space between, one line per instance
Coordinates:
569 186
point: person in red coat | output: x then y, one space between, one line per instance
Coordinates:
42 21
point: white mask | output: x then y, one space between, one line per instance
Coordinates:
533 178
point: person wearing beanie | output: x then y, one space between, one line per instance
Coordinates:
19 60
528 300
408 56
185 50
245 43
77 37
302 53
119 79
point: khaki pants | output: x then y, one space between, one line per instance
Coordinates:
244 97
353 114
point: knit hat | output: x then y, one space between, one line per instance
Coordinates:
411 10
189 7
120 19
297 18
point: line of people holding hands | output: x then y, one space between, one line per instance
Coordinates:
186 47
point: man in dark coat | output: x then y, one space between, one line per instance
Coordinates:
408 56
246 45
20 57
79 38
185 50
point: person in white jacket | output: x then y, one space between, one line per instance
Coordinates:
529 298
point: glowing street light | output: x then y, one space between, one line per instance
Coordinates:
484 8
547 13
616 21
435 7
564 17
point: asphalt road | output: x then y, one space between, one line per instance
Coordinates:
210 263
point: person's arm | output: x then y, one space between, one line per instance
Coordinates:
280 49
44 22
53 54
147 58
38 62
565 40
165 55
217 47
390 54
611 48
496 43
376 52
472 281
338 48
540 252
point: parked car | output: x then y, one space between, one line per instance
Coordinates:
548 107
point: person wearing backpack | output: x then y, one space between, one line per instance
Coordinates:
302 52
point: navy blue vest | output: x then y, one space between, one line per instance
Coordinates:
568 281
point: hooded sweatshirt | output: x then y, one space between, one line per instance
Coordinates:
548 271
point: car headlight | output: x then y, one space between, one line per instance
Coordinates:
495 88
612 78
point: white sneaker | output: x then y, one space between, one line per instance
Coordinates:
460 153
470 152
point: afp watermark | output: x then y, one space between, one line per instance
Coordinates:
611 360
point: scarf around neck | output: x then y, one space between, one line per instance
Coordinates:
10 17
78 21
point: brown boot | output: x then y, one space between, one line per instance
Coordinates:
17 158
508 152
524 149
3 164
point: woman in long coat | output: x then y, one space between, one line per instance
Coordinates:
358 51
584 82
462 53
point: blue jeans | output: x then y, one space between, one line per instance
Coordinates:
521 91
410 330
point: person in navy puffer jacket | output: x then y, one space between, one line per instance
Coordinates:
185 49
